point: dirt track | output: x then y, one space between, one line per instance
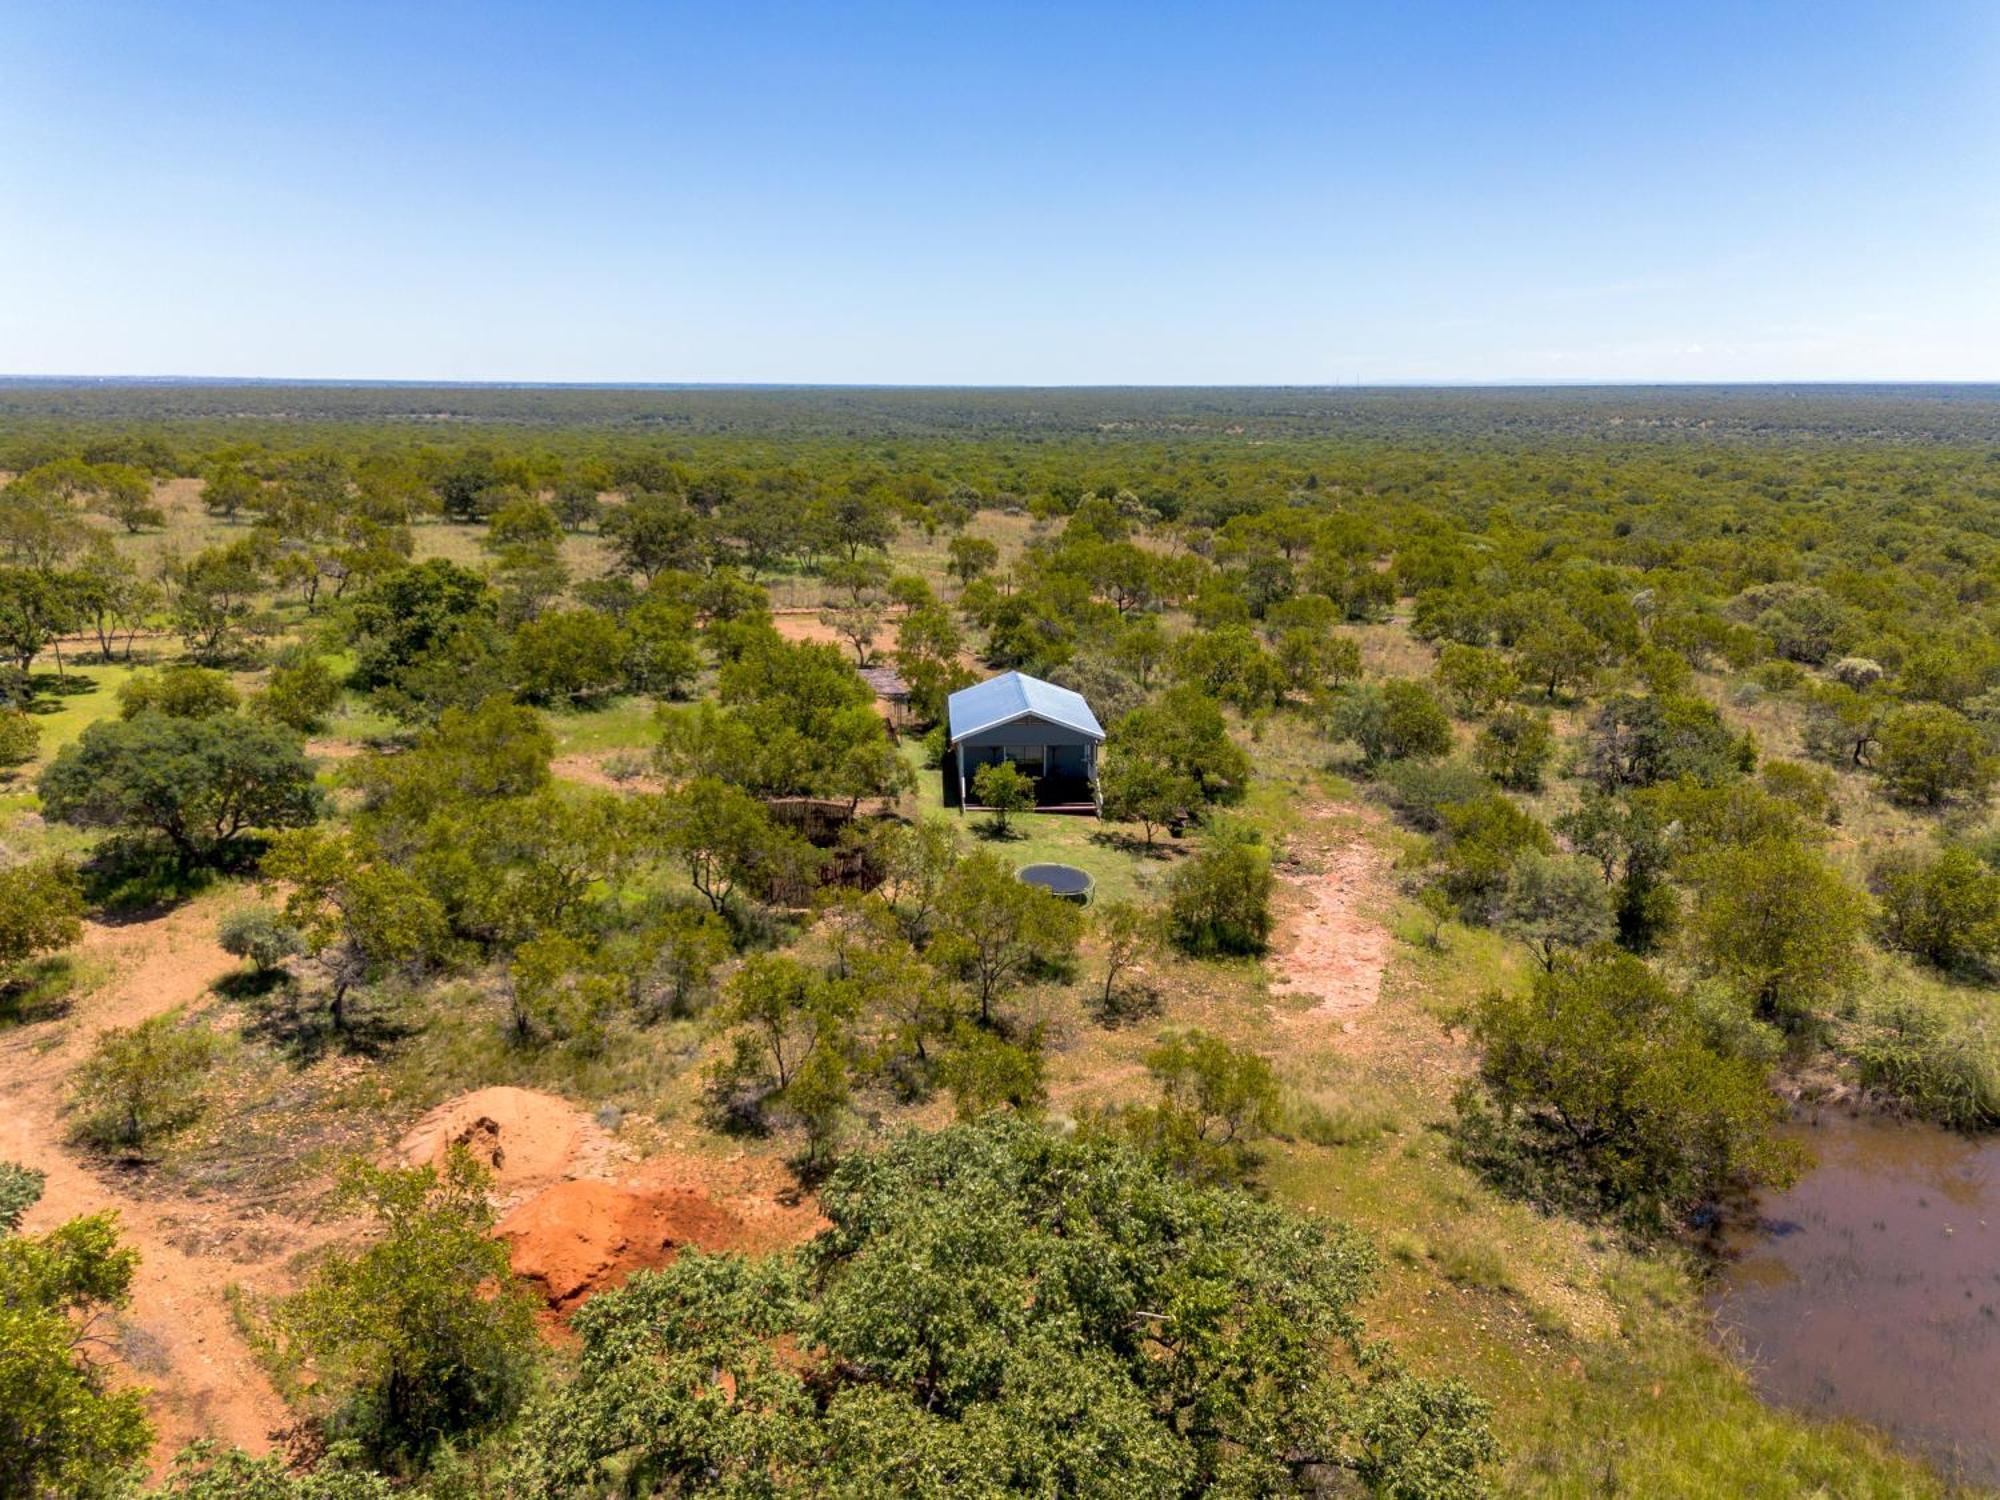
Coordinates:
1331 946
178 1334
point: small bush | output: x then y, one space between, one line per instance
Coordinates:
1934 1071
260 935
142 1083
20 739
1219 901
1421 790
20 1190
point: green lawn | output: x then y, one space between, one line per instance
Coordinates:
1109 852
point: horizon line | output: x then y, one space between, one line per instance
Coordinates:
501 383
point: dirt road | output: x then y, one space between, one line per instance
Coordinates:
178 1336
1331 945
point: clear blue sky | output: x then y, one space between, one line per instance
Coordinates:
1008 193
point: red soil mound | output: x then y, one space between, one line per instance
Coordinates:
578 1238
525 1138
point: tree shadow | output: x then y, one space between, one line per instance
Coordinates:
995 832
1131 844
1127 1006
65 685
136 879
305 1034
40 990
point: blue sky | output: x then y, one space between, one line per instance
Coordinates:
1005 193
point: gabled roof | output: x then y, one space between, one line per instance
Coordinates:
1015 695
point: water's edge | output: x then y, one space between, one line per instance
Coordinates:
1871 1289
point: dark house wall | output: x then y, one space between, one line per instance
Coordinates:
1068 751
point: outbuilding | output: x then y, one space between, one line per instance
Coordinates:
1047 731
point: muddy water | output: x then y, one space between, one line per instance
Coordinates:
1872 1289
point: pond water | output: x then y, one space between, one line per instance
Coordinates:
1872 1288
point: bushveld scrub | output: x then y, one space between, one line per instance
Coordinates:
1637 702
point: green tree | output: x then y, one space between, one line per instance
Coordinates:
64 1430
986 1072
996 1308
1604 1087
200 784
1140 785
1214 1103
1942 907
994 929
34 610
424 1336
651 534
563 991
142 1083
356 914
1219 898
1559 654
125 495
971 556
1474 680
228 489
179 692
1515 748
1556 903
1127 934
300 693
20 738
1929 754
41 910
209 597
404 618
569 657
1780 925
1003 789
725 839
1183 735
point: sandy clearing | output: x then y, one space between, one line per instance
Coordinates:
182 1340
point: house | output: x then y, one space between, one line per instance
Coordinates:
1048 731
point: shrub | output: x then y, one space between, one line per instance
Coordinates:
1943 908
1909 1052
41 910
1605 1087
1219 899
1392 721
20 1190
180 692
1421 790
260 935
425 1336
301 691
20 738
142 1083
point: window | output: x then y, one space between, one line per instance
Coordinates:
1028 757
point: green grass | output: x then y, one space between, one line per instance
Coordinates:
622 724
1108 852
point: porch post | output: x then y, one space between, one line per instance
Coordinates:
960 747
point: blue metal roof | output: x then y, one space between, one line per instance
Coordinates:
1015 695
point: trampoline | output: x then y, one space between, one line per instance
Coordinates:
1065 881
